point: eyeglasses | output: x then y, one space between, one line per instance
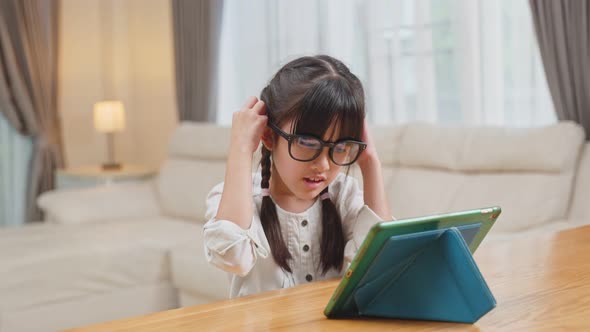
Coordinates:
307 148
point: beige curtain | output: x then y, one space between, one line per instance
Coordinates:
197 30
28 86
563 30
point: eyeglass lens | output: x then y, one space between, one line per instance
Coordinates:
308 148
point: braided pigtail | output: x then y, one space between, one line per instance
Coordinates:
269 218
332 242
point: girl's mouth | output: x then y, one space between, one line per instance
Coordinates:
313 182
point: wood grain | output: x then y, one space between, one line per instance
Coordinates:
540 283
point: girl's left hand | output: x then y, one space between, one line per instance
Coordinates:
369 155
373 186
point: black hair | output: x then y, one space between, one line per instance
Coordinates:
315 92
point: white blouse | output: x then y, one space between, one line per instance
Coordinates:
245 254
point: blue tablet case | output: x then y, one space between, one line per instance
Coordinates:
428 276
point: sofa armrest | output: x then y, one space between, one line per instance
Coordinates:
131 200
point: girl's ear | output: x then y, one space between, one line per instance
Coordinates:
267 138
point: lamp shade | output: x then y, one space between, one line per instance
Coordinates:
109 116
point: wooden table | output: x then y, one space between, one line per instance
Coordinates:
540 283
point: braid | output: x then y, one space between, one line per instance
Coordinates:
265 167
332 242
269 218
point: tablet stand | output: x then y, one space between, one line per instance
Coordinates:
434 278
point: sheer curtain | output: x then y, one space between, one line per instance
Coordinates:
15 157
442 61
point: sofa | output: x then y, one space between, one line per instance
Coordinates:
129 249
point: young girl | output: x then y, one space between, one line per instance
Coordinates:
299 219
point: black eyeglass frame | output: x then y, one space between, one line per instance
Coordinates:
291 137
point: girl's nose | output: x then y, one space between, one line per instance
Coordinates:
322 162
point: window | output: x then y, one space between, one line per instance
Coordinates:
443 61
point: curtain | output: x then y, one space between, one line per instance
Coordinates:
562 28
196 26
15 156
443 61
28 87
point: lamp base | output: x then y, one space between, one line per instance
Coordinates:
111 166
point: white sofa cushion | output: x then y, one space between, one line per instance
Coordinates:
87 310
528 172
580 208
50 263
193 274
387 141
122 201
196 162
550 149
525 199
183 185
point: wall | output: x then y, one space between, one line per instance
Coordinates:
122 50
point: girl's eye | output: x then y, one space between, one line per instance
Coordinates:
308 142
341 148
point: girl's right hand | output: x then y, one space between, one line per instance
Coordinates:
248 125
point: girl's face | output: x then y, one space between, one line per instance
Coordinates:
304 180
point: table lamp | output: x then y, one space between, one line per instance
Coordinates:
109 117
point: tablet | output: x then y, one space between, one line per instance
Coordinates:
472 224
